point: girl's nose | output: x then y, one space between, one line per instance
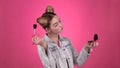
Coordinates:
60 24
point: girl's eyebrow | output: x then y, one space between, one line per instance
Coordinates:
55 23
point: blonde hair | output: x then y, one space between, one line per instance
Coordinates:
46 17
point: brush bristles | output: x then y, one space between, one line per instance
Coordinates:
34 26
95 37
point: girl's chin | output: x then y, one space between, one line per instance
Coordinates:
58 32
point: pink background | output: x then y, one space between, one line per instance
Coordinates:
80 18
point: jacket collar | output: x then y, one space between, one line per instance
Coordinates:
47 39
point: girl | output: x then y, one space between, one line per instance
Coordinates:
56 51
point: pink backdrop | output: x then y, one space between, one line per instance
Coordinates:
80 18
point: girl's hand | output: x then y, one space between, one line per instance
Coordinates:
38 41
90 45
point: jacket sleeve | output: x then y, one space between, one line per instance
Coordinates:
79 59
44 58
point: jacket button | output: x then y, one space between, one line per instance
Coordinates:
63 49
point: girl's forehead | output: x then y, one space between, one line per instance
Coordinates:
55 18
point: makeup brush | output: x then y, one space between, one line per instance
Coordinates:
34 27
95 38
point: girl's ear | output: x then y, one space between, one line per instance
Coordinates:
47 30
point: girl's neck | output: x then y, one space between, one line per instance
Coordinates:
54 37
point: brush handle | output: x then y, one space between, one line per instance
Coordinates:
34 30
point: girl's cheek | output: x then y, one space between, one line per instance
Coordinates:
54 29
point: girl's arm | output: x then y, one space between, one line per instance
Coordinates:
79 59
42 51
43 56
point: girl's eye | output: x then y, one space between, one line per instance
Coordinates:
59 21
56 25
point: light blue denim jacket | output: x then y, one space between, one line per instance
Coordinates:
64 56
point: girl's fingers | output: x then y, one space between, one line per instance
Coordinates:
90 45
94 44
36 39
32 40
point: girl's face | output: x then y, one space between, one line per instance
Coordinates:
55 25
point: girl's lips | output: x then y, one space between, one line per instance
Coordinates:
61 28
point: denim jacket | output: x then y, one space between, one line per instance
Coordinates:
64 56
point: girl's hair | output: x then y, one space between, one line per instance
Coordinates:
46 17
